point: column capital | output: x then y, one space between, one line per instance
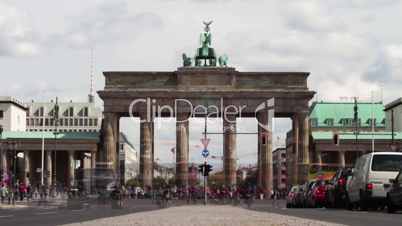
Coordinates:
182 117
302 114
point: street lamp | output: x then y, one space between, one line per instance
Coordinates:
1 150
12 145
55 132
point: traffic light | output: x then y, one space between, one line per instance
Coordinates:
201 168
208 168
205 169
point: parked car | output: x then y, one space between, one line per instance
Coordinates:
394 196
316 196
291 197
307 190
336 195
295 198
369 183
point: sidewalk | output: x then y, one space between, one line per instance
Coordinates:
50 202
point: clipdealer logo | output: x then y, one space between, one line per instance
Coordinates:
228 112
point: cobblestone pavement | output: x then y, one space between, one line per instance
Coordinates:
204 215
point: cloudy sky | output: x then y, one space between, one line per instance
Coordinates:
351 47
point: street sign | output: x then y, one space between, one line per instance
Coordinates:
205 142
205 153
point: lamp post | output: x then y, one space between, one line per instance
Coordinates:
13 146
55 132
1 150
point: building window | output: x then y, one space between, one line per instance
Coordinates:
81 122
61 122
314 122
1 114
86 122
27 122
71 122
90 122
86 111
41 111
347 122
370 122
46 122
329 122
71 112
96 122
75 122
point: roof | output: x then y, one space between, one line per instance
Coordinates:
344 110
393 104
93 110
50 135
328 135
14 101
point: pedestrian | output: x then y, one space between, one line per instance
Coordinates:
22 190
28 192
3 192
274 197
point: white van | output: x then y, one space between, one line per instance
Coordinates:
369 183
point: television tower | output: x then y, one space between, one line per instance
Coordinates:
91 97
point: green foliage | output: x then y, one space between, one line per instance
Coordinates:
159 182
134 182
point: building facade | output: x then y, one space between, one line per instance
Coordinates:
67 158
12 114
73 117
279 169
129 161
336 141
393 113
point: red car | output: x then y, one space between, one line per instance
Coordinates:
316 196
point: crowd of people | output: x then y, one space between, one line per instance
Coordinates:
11 193
192 194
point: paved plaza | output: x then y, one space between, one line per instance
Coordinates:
203 215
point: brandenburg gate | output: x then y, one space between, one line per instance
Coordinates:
190 91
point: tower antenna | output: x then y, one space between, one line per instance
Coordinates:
91 97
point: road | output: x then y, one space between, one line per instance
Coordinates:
57 215
346 217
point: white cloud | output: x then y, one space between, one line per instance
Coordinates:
349 46
16 35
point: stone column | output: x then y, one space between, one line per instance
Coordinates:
182 149
92 175
107 158
229 150
304 138
27 167
93 160
319 160
146 160
71 168
49 172
3 159
341 159
295 144
265 136
259 172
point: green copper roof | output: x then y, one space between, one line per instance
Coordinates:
318 135
322 112
50 135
